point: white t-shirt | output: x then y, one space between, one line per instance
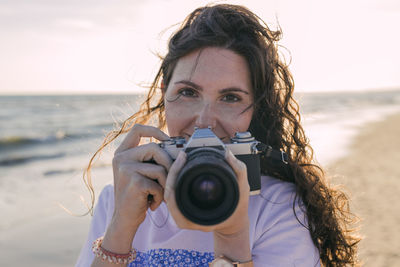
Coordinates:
276 236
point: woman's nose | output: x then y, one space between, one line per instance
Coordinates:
206 116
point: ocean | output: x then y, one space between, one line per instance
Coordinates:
46 142
40 128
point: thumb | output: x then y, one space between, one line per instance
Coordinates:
173 173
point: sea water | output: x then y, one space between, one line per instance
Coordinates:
47 141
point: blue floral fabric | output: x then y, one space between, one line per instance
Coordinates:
171 257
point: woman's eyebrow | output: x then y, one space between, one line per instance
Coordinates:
192 84
233 89
223 91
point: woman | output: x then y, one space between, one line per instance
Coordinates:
221 71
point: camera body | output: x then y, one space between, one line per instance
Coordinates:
206 188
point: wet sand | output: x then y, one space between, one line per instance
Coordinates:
371 173
49 236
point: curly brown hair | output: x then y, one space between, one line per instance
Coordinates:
276 119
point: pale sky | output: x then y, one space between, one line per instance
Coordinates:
99 46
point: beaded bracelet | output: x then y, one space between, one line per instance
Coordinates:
112 257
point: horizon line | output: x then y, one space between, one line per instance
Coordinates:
87 93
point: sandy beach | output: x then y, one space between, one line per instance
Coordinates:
48 236
371 174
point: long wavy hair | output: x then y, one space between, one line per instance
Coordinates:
276 119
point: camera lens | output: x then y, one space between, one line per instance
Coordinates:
206 192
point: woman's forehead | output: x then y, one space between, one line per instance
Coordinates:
213 65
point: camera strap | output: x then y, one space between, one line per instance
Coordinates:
268 152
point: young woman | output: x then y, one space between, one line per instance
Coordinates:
222 71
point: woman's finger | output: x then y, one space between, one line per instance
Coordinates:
238 167
147 152
150 187
137 132
150 171
173 173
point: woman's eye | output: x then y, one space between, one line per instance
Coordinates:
231 98
187 92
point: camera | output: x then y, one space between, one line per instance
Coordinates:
206 188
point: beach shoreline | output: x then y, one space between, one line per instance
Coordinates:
370 173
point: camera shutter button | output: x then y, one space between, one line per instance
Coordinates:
242 137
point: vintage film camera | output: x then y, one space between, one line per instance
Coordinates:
206 189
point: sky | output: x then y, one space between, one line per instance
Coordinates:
103 46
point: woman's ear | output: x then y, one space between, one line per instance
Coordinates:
163 86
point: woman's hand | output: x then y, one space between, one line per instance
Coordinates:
134 180
236 223
231 237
